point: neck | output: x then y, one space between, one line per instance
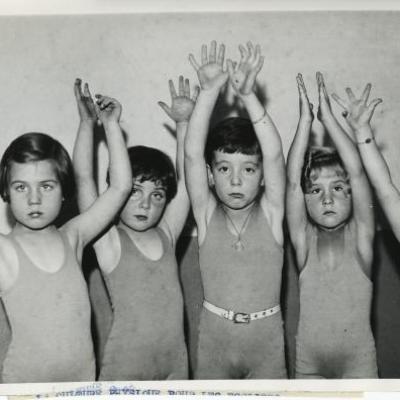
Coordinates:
20 229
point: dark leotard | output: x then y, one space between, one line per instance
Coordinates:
146 341
49 315
334 338
243 281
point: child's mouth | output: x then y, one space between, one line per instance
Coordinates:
35 214
236 195
329 212
141 217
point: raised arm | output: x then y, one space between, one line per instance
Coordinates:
363 212
296 213
83 148
180 111
243 78
358 114
101 213
212 78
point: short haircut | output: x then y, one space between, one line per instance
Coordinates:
232 135
317 158
32 147
150 164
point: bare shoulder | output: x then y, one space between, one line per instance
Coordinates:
8 263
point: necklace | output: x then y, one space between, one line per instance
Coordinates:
238 245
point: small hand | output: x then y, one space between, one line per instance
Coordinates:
210 73
356 111
86 107
324 109
109 109
181 104
306 108
243 76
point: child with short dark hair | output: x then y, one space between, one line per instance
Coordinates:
236 181
41 282
331 226
137 257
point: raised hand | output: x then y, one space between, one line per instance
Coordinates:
306 108
356 111
109 109
324 109
181 103
243 76
86 107
210 72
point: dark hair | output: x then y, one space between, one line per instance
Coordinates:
149 164
232 135
37 147
317 158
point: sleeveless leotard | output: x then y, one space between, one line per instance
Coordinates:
334 337
244 281
146 341
49 316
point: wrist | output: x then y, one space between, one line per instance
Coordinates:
110 123
87 122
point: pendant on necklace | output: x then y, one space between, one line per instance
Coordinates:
238 246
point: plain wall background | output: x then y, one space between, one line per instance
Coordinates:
131 57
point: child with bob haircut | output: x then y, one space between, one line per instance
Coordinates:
331 225
137 257
236 181
42 287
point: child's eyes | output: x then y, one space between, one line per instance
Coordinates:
135 192
315 191
338 188
159 196
20 188
250 170
47 187
223 169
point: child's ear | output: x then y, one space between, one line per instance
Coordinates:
262 183
210 176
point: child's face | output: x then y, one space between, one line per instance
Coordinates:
237 178
144 206
328 198
35 193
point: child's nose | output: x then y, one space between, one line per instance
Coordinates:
236 179
145 203
35 197
327 199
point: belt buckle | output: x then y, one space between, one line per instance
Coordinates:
241 318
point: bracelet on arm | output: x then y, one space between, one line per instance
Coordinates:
259 119
366 141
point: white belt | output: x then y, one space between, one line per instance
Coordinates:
240 317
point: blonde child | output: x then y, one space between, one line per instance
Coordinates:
331 226
41 283
137 257
236 180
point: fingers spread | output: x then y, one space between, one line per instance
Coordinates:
221 55
193 62
366 92
342 103
204 58
213 52
350 94
187 88
172 90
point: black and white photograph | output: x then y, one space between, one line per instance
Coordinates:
209 195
